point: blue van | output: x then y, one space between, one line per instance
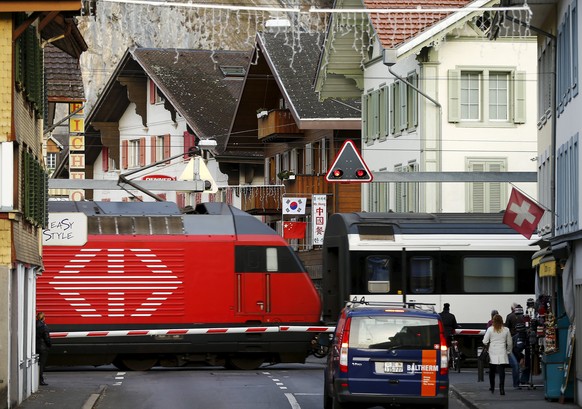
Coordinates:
387 353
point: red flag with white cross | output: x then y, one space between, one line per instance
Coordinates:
522 213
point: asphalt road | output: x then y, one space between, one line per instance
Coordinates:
283 386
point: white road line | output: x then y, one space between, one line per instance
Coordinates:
292 401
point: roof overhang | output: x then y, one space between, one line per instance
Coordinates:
15 6
441 29
330 123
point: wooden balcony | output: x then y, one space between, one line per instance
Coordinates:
267 200
278 125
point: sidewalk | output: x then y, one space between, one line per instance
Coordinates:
476 395
66 390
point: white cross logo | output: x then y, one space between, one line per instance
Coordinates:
522 213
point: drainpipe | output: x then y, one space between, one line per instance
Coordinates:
389 59
554 118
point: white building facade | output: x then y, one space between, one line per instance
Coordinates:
475 110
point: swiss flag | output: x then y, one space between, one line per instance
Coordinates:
294 230
522 213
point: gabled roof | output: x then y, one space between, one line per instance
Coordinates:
63 76
191 81
409 32
197 87
395 29
56 19
406 33
294 65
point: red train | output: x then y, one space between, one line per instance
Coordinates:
156 275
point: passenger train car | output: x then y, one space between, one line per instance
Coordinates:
214 285
472 261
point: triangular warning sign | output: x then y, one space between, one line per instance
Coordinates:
349 166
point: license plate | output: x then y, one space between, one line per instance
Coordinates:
393 367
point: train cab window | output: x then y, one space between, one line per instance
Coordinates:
378 269
272 260
489 274
262 259
421 275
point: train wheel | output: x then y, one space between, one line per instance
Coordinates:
245 363
135 362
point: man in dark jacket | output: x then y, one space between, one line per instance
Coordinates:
449 322
511 321
43 343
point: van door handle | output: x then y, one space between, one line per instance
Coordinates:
261 305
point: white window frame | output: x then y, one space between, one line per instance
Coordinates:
51 160
133 150
471 82
463 96
160 147
498 95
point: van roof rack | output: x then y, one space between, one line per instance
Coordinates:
355 302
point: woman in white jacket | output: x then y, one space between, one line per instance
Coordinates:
498 341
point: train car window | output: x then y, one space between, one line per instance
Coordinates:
422 275
124 225
489 274
378 269
135 225
370 232
256 259
272 259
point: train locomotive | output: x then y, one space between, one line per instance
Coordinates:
213 285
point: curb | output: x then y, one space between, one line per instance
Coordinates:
462 398
93 398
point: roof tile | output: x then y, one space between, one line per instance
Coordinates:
394 29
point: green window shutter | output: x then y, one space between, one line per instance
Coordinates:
413 102
519 97
384 103
454 86
495 204
396 106
365 118
391 112
376 114
478 190
35 191
403 88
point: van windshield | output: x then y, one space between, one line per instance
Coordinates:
387 332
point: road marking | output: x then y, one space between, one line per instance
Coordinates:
292 401
120 376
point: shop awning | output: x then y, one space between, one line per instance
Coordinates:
545 262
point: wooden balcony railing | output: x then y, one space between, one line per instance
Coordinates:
278 125
267 200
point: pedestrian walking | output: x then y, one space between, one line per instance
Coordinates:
493 314
511 322
43 344
498 342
